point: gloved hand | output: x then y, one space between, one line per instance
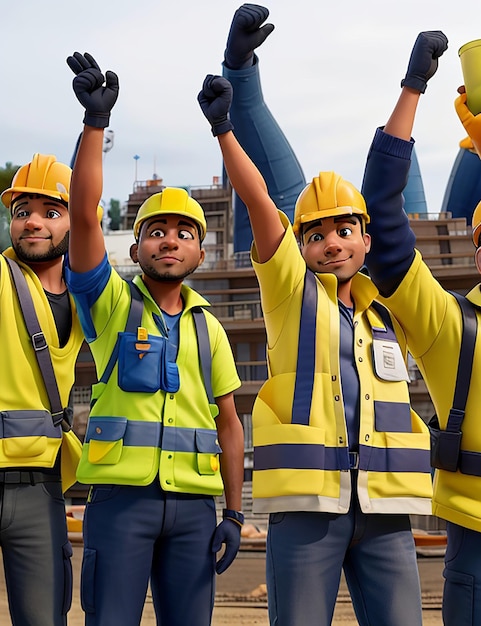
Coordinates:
215 99
245 35
429 46
97 100
228 532
471 123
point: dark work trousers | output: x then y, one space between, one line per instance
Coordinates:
462 573
35 549
133 534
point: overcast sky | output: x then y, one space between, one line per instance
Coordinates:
330 74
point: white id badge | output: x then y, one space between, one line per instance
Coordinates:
388 361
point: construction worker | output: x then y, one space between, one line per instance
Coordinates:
340 457
39 452
159 446
432 321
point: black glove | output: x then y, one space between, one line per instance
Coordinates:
245 35
228 532
215 100
97 100
429 46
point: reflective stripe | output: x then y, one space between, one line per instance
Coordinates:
141 434
306 353
394 459
314 456
190 440
28 424
151 435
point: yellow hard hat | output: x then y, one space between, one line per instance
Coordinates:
43 175
175 201
328 195
476 224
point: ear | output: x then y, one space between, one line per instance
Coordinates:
201 257
367 241
477 259
134 248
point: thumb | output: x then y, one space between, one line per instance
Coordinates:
262 34
111 80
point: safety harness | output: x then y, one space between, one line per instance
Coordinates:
446 453
134 322
61 416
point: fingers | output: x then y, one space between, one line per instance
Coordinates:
79 62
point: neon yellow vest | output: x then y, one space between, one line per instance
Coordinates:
144 435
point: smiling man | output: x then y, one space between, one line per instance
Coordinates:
340 458
163 437
37 455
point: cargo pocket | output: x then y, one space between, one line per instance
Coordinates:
458 598
207 452
25 433
105 438
67 577
87 582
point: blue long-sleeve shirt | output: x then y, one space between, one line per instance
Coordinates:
393 241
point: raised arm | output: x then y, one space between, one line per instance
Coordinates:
387 169
215 99
256 129
423 63
97 94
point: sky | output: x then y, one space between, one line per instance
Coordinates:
330 75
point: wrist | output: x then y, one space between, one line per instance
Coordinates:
234 516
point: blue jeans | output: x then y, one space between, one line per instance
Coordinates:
306 553
462 573
132 534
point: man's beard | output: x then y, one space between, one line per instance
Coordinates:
165 277
54 252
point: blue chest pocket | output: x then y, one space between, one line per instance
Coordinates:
143 365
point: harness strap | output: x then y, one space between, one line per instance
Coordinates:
465 364
134 320
60 416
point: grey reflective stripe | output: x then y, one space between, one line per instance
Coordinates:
153 435
190 440
25 423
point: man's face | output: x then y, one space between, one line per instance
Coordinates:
335 245
39 228
169 248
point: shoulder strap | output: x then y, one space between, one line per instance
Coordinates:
39 343
384 314
134 321
205 353
465 363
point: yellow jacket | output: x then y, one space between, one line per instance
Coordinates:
29 438
432 321
305 466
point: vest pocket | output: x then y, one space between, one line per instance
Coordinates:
207 452
25 433
143 365
105 438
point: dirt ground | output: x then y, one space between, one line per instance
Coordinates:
241 599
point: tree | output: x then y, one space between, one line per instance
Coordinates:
114 214
6 175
